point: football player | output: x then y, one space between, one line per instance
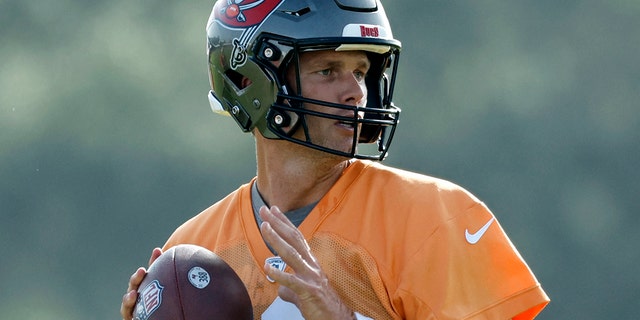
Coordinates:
325 230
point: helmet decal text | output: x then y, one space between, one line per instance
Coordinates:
366 31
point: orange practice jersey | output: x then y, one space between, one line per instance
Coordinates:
394 245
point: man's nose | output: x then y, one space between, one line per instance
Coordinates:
354 90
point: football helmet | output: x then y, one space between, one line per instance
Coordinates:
258 40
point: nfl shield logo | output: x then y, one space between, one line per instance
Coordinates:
276 262
149 300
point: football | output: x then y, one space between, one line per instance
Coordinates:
189 282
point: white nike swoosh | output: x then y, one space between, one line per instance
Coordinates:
473 238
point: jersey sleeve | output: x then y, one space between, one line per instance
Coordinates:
469 269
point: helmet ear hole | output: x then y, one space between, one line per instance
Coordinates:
238 80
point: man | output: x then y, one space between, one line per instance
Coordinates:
313 82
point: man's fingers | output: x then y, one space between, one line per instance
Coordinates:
128 302
284 249
130 297
288 295
136 279
154 255
274 215
285 279
285 230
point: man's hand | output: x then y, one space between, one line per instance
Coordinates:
129 298
307 287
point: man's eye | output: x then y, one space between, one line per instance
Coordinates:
325 72
359 75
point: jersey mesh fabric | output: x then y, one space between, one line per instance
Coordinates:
354 275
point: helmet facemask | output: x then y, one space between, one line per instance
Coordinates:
287 119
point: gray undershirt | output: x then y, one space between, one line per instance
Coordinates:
295 216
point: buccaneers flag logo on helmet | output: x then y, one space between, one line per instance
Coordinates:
244 13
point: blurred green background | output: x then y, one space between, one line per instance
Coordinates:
107 142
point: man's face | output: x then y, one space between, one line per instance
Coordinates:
336 77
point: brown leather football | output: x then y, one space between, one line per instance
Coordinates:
189 282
